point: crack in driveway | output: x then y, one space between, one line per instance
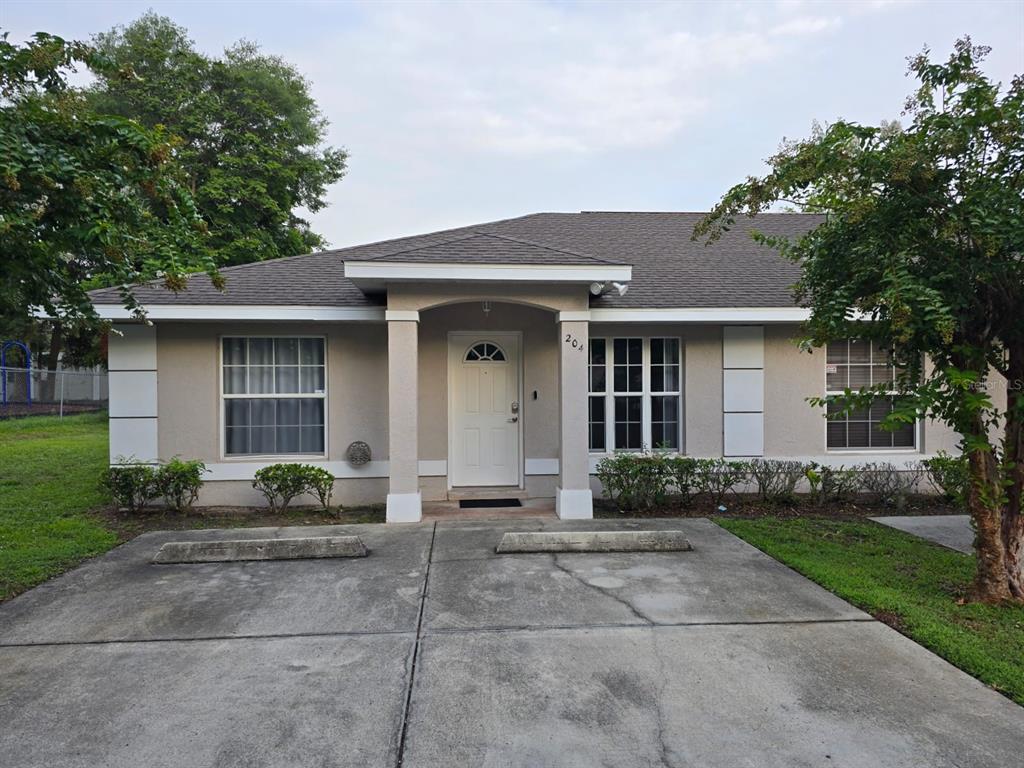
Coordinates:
606 592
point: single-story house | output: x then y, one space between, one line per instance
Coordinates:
508 355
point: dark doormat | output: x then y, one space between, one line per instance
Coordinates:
481 503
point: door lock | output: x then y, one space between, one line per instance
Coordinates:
515 406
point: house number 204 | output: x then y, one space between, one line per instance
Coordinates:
574 342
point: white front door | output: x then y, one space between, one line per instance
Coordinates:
484 409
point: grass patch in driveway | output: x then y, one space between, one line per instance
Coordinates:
910 584
48 473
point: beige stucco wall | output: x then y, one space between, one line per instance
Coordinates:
350 492
188 360
189 403
792 426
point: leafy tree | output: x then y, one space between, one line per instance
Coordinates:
83 193
252 135
924 240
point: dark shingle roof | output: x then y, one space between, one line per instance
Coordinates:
669 269
486 249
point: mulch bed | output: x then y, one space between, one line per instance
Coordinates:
127 525
744 506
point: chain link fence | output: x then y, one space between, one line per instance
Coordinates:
34 391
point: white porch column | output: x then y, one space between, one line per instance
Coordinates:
404 502
573 499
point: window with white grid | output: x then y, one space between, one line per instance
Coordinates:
856 363
274 395
635 393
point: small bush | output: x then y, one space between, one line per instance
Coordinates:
776 480
635 480
830 484
320 483
132 483
682 472
888 484
280 483
716 477
179 482
950 476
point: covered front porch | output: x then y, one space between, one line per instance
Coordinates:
487 397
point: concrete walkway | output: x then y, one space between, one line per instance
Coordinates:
434 651
952 531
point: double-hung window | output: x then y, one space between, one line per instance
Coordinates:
274 393
634 398
856 363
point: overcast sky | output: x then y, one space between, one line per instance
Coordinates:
456 113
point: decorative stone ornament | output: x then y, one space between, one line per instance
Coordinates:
358 453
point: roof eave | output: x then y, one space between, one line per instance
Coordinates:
216 312
375 275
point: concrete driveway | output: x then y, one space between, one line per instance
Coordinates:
434 651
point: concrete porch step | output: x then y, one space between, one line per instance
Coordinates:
449 510
495 492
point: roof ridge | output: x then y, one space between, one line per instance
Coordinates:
547 247
430 234
389 254
699 213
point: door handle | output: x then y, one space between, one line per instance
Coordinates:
513 420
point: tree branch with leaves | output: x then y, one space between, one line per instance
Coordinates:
922 250
82 193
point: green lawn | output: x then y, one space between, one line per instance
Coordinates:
909 583
48 474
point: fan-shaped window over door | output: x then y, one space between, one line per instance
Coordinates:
485 352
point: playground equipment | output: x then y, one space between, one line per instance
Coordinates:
3 369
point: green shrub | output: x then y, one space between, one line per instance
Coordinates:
132 483
950 476
888 484
683 476
179 482
635 480
280 483
320 483
830 484
775 479
716 477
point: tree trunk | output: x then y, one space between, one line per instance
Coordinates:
1013 468
56 344
983 502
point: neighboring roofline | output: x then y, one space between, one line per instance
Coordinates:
244 312
392 271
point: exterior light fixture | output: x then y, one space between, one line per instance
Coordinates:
600 288
487 308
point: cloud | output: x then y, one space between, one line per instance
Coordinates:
806 25
536 78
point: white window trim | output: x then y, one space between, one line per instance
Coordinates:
222 399
645 394
902 450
